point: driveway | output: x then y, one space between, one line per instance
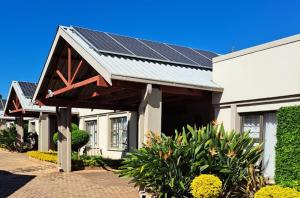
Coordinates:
21 177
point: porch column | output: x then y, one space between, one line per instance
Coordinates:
64 138
235 118
20 130
3 124
44 132
150 110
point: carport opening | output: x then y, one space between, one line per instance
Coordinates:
180 111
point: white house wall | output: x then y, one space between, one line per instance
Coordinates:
262 78
270 72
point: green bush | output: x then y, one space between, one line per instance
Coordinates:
287 171
276 191
79 137
168 165
8 138
206 186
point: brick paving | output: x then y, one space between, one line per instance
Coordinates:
21 177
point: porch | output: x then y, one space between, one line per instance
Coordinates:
164 96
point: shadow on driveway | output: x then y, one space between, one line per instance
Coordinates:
10 183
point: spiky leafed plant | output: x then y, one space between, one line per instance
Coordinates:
167 165
228 155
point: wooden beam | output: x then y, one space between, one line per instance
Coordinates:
62 77
15 104
69 65
98 79
76 71
17 110
181 91
128 85
89 105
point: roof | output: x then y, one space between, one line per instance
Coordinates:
2 104
25 91
119 66
115 44
258 48
28 88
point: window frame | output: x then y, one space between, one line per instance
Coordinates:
261 122
110 148
92 144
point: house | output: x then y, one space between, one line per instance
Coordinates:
131 86
19 105
166 86
5 121
258 81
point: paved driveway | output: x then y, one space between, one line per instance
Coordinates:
20 177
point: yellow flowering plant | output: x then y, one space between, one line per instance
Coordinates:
206 186
276 191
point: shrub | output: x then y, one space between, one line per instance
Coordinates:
8 138
206 186
287 171
276 191
167 165
87 160
79 137
43 156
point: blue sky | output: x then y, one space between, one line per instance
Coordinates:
28 27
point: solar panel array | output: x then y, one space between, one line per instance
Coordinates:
28 88
149 50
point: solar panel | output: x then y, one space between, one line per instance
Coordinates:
167 52
28 88
102 41
137 47
191 54
208 54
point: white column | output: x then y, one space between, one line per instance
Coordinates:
20 130
150 111
64 138
235 118
44 132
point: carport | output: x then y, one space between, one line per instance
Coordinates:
169 86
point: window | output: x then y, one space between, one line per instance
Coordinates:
262 127
252 123
119 133
91 127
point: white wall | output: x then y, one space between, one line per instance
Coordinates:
267 73
262 78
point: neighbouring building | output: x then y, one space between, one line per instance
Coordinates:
39 118
258 81
5 121
130 86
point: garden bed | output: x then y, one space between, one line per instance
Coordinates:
84 162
